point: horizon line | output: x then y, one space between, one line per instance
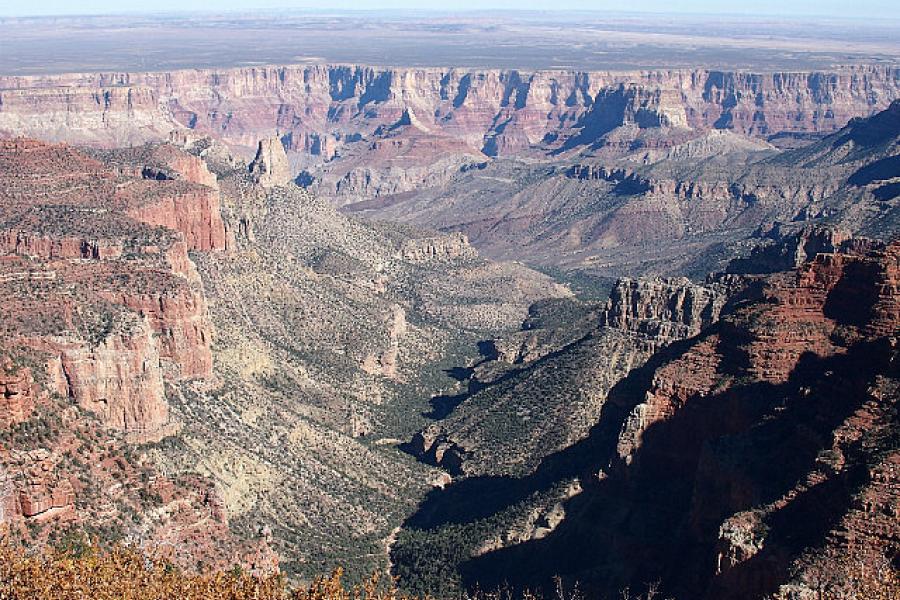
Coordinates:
451 12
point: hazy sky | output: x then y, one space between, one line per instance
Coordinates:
843 8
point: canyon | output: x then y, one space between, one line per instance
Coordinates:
677 466
573 163
325 110
153 384
474 326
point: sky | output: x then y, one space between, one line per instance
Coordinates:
880 9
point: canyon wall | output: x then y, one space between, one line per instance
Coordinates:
97 279
753 459
319 109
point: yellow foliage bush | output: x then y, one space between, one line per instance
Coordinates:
122 573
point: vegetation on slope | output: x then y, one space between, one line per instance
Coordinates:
86 571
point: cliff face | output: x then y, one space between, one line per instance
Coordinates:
102 309
195 213
119 379
680 211
116 229
543 386
446 248
270 167
180 320
18 394
668 309
321 108
751 459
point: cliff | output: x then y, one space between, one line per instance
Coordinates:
321 108
19 393
541 388
751 459
270 167
103 225
435 249
101 310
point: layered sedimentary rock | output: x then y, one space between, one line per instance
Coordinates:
193 212
544 386
752 459
180 319
102 226
684 211
449 247
500 111
83 186
119 379
42 493
18 393
664 308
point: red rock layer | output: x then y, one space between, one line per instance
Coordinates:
18 394
195 213
77 217
33 174
180 320
319 107
838 309
833 298
758 458
100 308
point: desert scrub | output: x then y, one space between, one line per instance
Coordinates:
71 572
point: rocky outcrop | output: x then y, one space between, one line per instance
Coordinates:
752 459
798 314
119 379
453 246
167 162
42 493
194 212
385 363
33 244
113 116
271 166
786 248
53 195
8 506
541 388
18 394
836 305
105 246
181 325
664 309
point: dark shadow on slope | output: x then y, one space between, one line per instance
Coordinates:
887 192
880 170
801 525
444 404
474 498
606 114
878 129
635 526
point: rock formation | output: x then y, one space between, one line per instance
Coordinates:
18 393
142 301
651 421
101 309
683 211
501 110
751 459
540 393
271 166
450 247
